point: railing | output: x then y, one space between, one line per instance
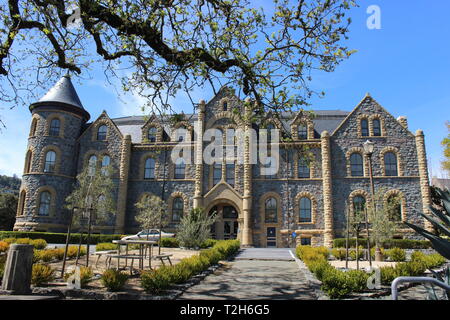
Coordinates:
399 280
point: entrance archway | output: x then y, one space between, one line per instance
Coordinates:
226 225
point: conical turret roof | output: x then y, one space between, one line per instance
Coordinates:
62 94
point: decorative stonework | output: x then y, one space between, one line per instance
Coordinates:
327 190
28 167
397 155
144 158
152 122
356 193
305 194
124 168
53 194
302 121
61 122
172 197
23 198
360 151
382 126
312 168
361 117
188 128
57 161
34 125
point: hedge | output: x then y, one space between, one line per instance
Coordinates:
392 243
60 237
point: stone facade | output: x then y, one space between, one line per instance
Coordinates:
264 210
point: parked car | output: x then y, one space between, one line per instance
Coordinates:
153 235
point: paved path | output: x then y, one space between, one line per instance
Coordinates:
255 274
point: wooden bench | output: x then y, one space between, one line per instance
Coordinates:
163 257
101 253
132 257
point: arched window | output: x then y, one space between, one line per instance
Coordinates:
364 128
149 169
55 125
305 210
271 210
225 106
230 174
303 169
151 135
269 129
217 173
106 161
177 209
180 167
101 132
33 127
356 165
44 203
50 161
28 160
359 204
181 133
92 165
390 164
23 196
376 127
394 203
302 131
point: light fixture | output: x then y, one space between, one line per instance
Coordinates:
368 147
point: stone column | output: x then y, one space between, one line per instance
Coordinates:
198 198
18 268
125 154
327 190
247 232
423 173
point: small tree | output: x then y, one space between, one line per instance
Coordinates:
8 208
355 226
152 213
195 228
381 218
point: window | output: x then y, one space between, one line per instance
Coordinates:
23 196
230 174
269 129
54 127
50 161
44 203
390 164
92 165
364 128
149 169
151 135
305 241
180 167
181 134
225 106
359 204
101 132
271 210
270 172
28 160
376 127
305 210
33 127
394 208
356 165
177 209
302 132
303 169
217 173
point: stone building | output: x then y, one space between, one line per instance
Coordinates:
309 197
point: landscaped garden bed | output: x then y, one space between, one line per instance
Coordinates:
341 283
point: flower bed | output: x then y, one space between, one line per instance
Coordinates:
338 284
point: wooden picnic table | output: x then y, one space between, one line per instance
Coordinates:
142 244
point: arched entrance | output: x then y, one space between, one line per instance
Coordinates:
226 225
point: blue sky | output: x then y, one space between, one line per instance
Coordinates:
405 66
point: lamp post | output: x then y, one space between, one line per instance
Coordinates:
368 150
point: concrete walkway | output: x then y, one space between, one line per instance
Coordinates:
255 274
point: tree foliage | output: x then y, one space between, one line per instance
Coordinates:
157 48
94 189
195 228
152 212
9 184
446 144
8 209
381 217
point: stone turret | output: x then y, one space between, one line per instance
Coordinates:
50 164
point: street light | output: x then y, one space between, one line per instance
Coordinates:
368 150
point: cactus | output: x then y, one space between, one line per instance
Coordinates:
441 221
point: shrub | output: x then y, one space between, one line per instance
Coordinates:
338 253
434 260
357 279
60 238
72 251
155 281
4 246
336 284
23 241
352 253
104 246
396 254
391 243
113 280
170 242
372 252
418 256
2 266
8 240
41 274
38 243
411 268
388 274
208 243
86 275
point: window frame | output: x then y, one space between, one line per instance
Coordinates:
308 209
271 211
45 204
175 208
54 131
390 167
359 166
50 165
149 169
102 134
